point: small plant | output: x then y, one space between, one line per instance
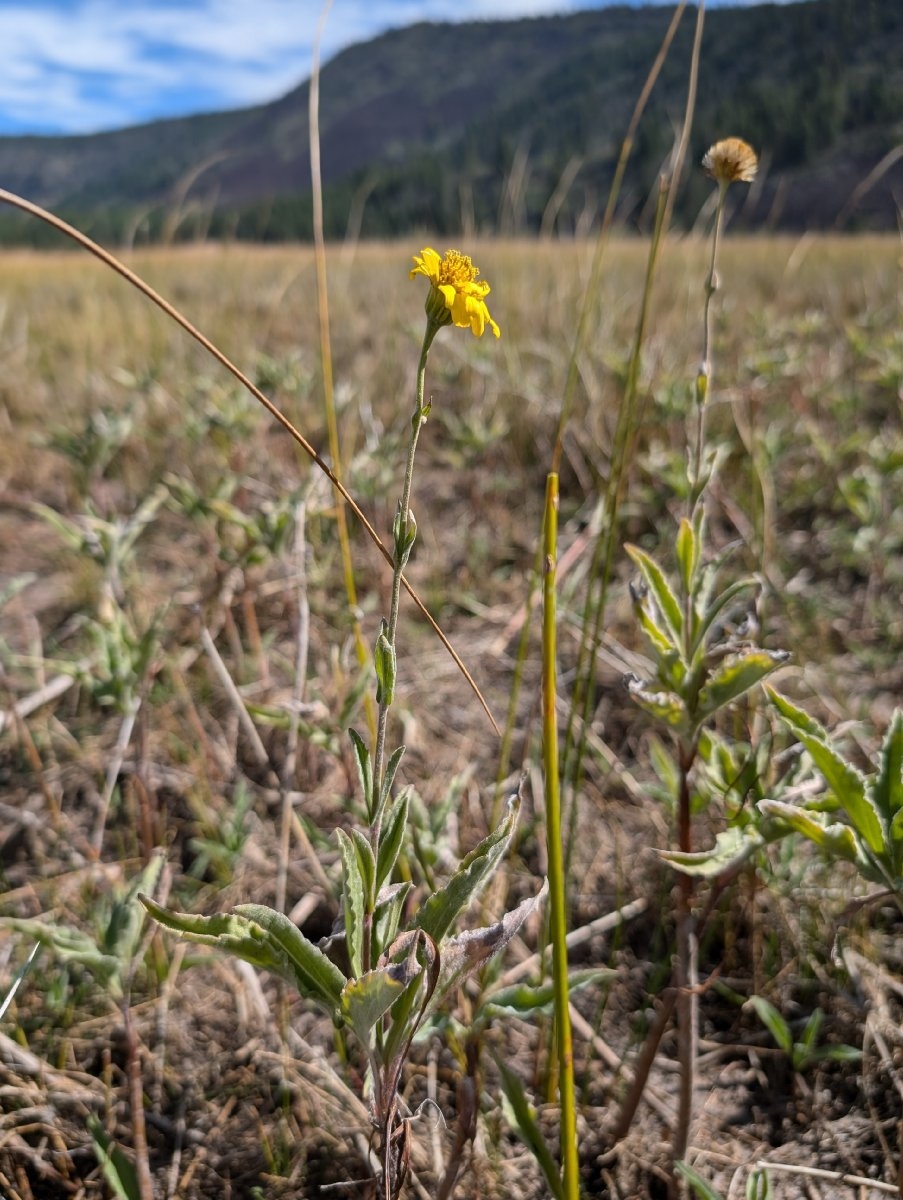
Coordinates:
703 661
397 970
805 1052
106 952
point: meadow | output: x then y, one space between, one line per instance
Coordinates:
179 673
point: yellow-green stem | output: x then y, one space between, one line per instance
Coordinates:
557 883
704 378
417 420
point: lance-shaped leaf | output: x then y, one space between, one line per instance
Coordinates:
118 1169
700 1186
712 609
123 933
355 889
521 1116
442 909
392 838
387 916
847 784
732 847
688 545
386 666
773 1021
887 788
466 952
266 939
664 706
364 768
389 777
734 676
366 1000
655 631
665 600
527 1001
837 840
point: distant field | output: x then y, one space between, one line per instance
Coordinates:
106 407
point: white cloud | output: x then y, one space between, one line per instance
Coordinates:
82 65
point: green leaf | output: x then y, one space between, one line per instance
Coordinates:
528 1000
392 838
734 676
657 634
440 911
367 864
364 768
758 1186
386 918
836 840
887 788
386 666
366 1000
714 608
812 1030
838 1054
521 1116
773 1022
696 1182
661 592
266 939
69 944
664 706
468 951
732 847
118 1170
353 901
389 777
687 553
123 934
847 784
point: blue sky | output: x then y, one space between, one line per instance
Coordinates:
78 66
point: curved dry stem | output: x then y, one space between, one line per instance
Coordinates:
136 281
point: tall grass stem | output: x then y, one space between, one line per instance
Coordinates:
557 879
332 427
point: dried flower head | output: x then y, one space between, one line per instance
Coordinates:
731 161
456 295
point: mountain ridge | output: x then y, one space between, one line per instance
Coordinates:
445 127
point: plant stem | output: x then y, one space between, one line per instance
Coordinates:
687 965
703 380
404 510
557 882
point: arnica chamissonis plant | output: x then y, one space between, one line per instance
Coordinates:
456 295
731 161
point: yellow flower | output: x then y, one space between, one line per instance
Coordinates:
731 161
458 296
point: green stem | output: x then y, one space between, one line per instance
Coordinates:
557 881
703 379
687 963
417 421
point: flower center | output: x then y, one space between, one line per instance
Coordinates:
457 269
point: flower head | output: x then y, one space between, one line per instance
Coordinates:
731 161
456 295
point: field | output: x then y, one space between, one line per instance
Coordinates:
179 671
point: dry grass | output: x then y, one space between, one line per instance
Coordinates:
809 367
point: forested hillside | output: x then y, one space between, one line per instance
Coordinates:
511 126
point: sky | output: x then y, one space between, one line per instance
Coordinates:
80 66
